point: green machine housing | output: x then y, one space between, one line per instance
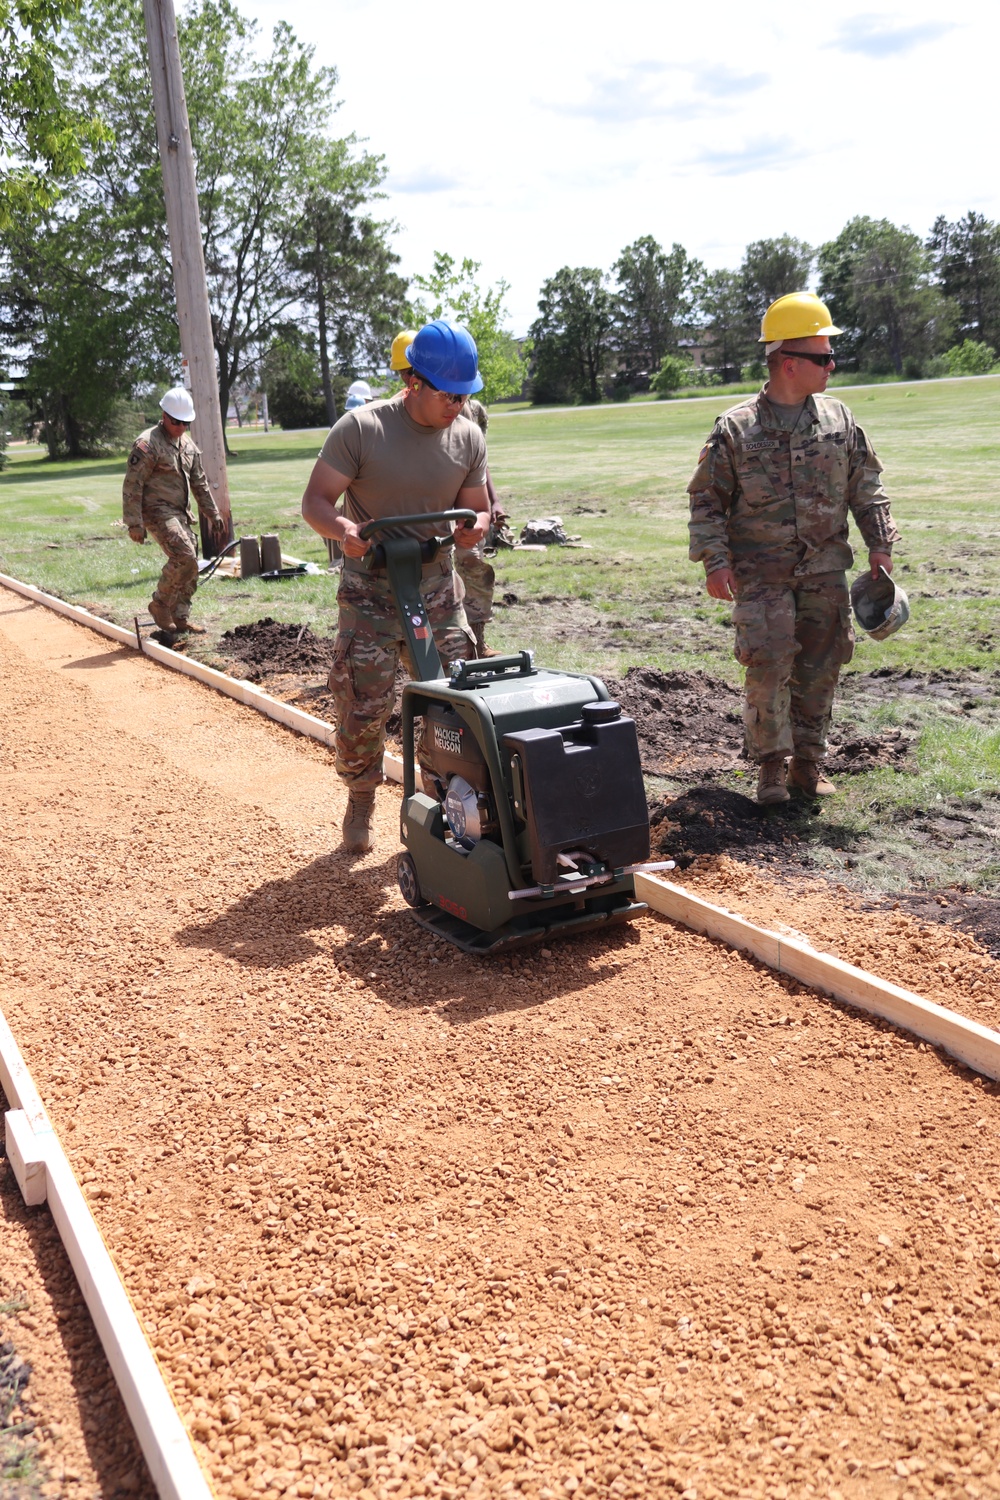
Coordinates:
532 809
531 812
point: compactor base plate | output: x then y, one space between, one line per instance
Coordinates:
563 921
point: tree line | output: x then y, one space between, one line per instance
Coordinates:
304 286
907 306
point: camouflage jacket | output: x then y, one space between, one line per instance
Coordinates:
163 474
773 504
476 412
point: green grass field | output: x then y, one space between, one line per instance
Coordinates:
617 475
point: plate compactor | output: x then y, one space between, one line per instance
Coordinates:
531 818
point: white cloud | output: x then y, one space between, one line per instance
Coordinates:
882 36
762 155
425 180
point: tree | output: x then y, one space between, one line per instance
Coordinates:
72 332
291 376
455 294
723 305
656 299
573 335
672 374
876 280
42 138
971 358
966 259
770 269
347 267
259 127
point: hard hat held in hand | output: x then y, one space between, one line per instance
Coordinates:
177 403
445 354
797 315
397 355
880 606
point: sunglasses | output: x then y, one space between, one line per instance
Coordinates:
446 395
823 360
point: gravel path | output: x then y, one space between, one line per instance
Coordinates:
634 1217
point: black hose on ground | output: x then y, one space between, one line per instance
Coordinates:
204 577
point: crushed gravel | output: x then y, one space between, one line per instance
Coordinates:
634 1216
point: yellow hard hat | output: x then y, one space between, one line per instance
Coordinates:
400 344
797 315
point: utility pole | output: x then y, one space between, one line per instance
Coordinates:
187 256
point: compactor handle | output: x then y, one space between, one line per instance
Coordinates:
387 523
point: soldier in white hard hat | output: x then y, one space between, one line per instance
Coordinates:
164 470
359 393
771 499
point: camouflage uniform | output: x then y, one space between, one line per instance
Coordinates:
367 652
470 562
160 476
772 505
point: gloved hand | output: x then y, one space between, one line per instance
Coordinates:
137 533
220 530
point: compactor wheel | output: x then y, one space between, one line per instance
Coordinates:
409 885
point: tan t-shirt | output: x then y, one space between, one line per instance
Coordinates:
399 468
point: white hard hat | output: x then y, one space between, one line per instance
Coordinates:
177 403
360 388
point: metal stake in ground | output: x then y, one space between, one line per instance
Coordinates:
187 256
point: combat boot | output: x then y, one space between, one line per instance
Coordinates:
807 776
162 617
771 786
186 627
479 631
357 825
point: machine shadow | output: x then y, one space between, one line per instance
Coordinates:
333 909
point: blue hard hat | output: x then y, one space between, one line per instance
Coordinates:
445 354
354 401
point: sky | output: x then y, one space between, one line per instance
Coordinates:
533 136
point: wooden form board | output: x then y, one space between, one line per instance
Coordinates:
44 1175
233 687
975 1045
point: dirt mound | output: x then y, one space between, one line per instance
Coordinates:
267 646
712 820
967 687
688 722
868 752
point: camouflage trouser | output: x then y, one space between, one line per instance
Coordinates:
478 576
793 638
368 649
179 579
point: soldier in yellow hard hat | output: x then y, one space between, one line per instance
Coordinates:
398 362
770 504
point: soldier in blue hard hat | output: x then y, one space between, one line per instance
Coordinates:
407 455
